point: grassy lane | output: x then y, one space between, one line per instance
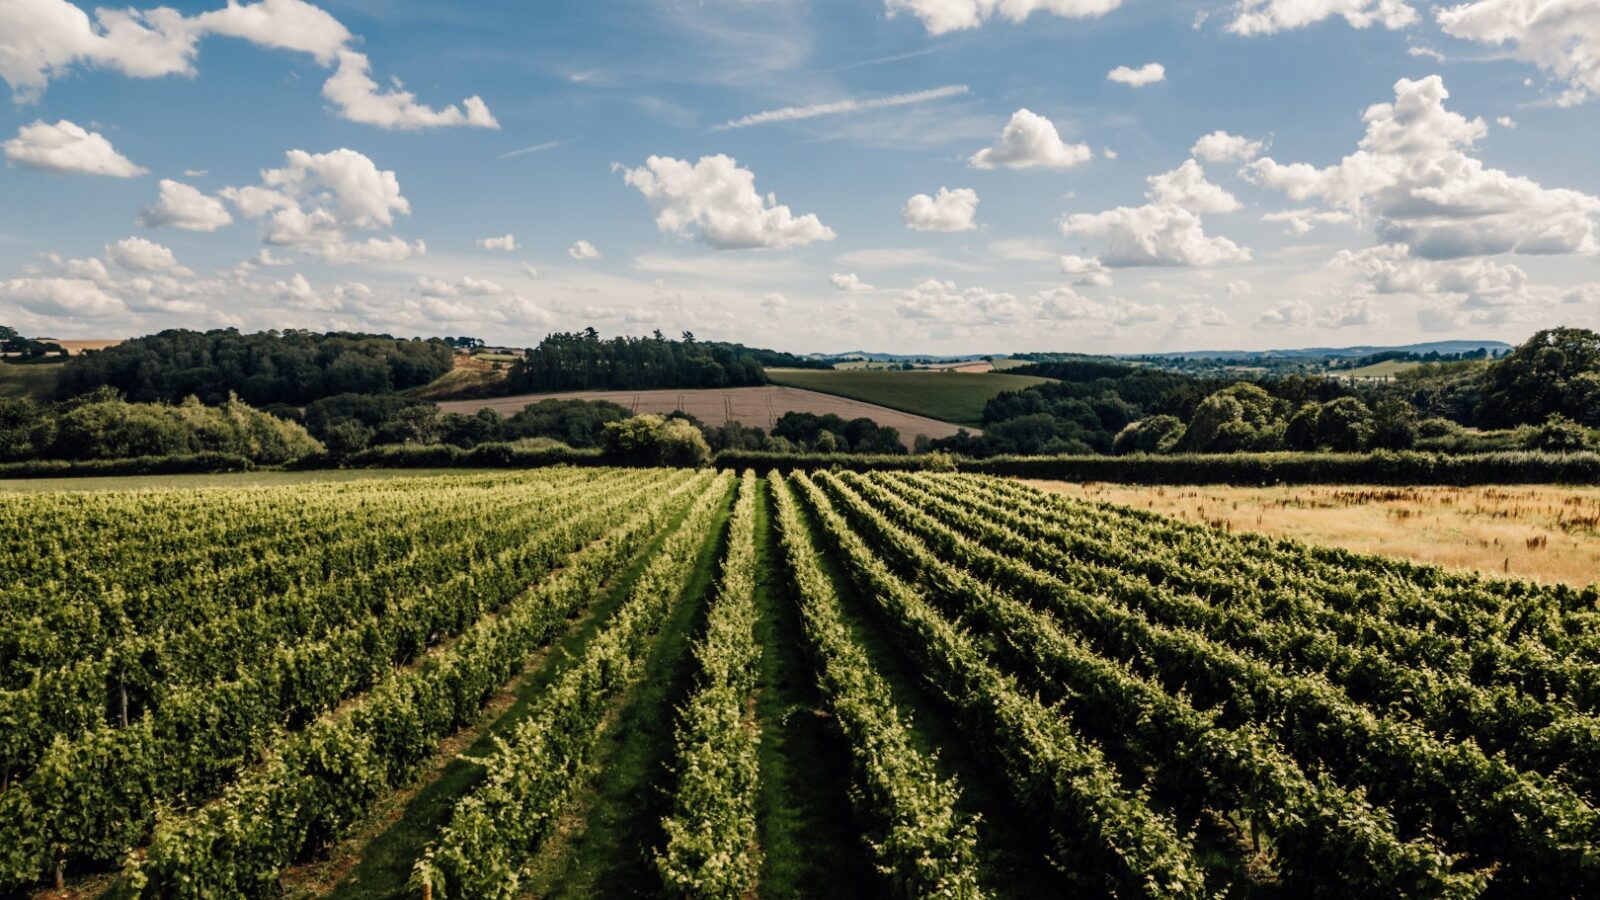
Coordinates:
1012 847
811 843
376 862
605 845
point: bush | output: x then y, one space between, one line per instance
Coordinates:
1157 434
103 428
185 464
654 441
1559 434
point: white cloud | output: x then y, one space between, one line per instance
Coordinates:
1285 314
71 297
849 283
508 243
775 304
1303 221
359 99
941 16
1255 17
1352 313
316 199
139 255
44 39
1030 141
66 149
1166 232
529 270
950 210
793 113
716 201
185 207
1196 315
1088 272
1220 146
1240 289
1413 178
583 251
1147 74
1561 37
1507 123
1472 284
465 286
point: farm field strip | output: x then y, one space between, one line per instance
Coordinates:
948 396
494 830
711 833
985 691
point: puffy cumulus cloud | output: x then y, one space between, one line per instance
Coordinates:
1147 74
358 98
1198 315
941 16
183 206
1088 272
1561 37
43 39
1030 141
949 210
139 255
849 283
1220 146
1283 315
1413 178
67 297
945 303
1167 231
1255 17
67 149
776 304
507 243
1353 313
583 251
296 292
1303 221
1472 284
1186 186
316 199
1240 289
1586 294
716 201
463 286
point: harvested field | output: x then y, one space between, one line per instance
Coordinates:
1538 532
760 407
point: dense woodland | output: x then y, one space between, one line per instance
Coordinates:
1545 395
582 360
260 369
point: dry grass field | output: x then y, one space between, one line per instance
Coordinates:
755 406
1545 533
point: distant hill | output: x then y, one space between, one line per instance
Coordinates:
1440 347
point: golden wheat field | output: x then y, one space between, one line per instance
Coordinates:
1548 533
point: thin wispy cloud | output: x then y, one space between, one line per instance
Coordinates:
793 113
536 148
881 60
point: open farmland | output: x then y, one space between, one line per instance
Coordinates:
1548 533
759 407
947 396
649 682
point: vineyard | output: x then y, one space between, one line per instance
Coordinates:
609 682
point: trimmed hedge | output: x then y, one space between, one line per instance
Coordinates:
188 464
1244 469
446 456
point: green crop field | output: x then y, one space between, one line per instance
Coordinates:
951 396
34 381
1386 369
676 683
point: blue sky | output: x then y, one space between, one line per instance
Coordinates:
908 175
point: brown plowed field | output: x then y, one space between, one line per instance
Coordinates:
754 406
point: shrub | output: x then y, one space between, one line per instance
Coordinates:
654 441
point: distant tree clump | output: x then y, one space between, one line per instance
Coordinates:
584 361
291 367
656 441
1555 372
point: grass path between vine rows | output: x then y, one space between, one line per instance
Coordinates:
605 843
810 841
375 860
1012 847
